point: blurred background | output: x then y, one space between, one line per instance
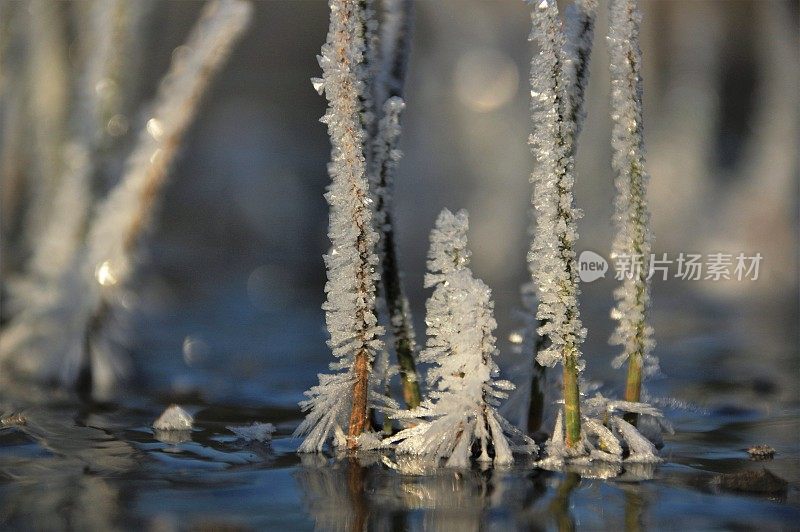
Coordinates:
233 283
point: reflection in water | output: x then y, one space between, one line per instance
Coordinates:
635 506
356 494
559 506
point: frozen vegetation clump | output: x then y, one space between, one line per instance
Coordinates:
605 435
342 399
631 214
459 416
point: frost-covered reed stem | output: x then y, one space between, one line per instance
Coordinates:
48 86
128 209
350 306
395 41
386 68
386 156
580 23
631 216
552 257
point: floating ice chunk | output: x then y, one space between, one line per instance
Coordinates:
254 432
174 418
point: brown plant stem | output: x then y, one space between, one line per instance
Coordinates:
358 413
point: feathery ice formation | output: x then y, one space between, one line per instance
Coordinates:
461 408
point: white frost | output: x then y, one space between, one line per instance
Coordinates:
551 259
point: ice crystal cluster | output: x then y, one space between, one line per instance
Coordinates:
71 325
341 399
631 215
461 408
605 436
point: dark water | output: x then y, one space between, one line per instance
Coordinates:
101 467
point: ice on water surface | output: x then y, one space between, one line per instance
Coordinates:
174 418
254 432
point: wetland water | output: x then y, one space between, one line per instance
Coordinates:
101 467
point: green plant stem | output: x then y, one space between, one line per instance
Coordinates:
572 400
536 407
399 318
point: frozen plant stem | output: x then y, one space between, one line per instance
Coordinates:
580 23
127 211
352 260
386 156
552 257
631 216
395 41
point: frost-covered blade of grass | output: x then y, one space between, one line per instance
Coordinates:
580 22
461 409
385 158
73 326
579 36
396 32
387 90
551 258
631 214
341 400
